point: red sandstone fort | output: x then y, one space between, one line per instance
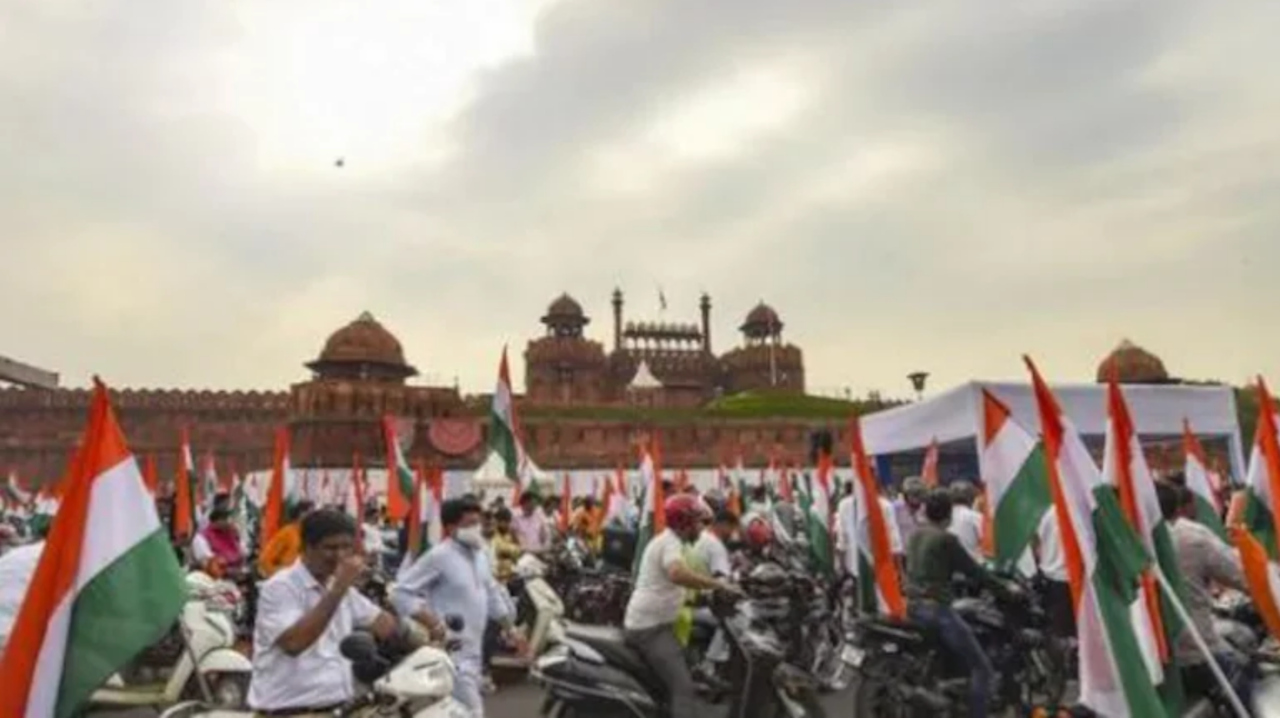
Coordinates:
585 404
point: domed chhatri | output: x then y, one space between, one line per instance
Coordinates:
762 323
565 307
1133 365
362 349
565 318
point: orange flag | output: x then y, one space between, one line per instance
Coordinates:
929 472
273 512
149 475
184 521
886 592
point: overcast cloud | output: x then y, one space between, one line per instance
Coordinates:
935 185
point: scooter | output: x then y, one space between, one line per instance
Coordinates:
539 611
594 673
402 678
201 641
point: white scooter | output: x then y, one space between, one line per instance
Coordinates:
544 626
207 624
419 685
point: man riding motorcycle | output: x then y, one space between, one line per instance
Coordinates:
659 593
934 556
1204 562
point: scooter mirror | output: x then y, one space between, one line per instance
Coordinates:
359 647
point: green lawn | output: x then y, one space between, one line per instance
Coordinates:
748 405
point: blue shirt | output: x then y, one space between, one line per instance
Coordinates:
453 580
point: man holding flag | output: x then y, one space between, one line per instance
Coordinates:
1205 563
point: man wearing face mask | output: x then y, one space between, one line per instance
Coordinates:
659 593
455 578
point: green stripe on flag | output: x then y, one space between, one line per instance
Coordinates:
1022 506
1171 691
127 607
1121 559
1207 515
1257 518
867 600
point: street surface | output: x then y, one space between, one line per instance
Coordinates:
523 700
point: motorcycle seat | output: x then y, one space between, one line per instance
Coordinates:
893 630
611 643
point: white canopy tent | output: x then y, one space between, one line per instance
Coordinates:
494 469
1158 411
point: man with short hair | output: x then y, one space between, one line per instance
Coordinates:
1205 563
934 556
304 613
455 578
966 522
710 548
531 527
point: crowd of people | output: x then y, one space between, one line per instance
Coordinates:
307 575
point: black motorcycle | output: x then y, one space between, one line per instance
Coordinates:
595 674
908 673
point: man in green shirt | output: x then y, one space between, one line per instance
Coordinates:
934 556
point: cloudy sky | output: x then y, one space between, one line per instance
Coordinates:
935 185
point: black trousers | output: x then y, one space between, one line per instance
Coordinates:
492 636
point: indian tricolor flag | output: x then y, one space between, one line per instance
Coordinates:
424 529
819 513
1256 538
1105 562
400 479
1016 480
107 586
504 432
653 520
1208 505
883 593
1155 620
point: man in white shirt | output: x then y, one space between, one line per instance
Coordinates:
530 525
659 593
374 545
304 613
966 522
16 570
710 549
1053 566
847 539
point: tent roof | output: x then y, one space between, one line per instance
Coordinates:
1158 410
495 469
644 378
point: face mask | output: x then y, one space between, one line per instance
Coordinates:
469 536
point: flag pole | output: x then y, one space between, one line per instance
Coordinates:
1236 704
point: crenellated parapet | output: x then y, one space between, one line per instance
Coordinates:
186 400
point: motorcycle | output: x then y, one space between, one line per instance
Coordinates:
401 678
908 673
201 641
594 673
539 611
